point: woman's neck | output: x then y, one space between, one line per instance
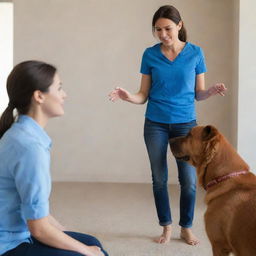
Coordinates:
38 117
175 47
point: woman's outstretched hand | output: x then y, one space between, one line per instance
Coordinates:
119 93
218 88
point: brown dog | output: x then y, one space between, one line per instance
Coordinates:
230 219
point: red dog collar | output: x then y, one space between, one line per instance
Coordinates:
222 178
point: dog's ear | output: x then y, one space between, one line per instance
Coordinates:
209 132
211 139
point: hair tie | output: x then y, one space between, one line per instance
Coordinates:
11 105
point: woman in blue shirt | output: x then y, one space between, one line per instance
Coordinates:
26 226
172 78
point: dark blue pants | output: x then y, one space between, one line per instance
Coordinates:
157 136
38 249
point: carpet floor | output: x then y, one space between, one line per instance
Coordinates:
123 218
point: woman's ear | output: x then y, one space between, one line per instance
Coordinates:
38 97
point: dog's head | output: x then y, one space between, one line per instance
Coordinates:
198 147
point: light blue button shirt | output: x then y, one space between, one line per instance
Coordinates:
25 181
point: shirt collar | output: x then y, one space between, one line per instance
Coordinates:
35 130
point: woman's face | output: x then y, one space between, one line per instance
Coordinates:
167 31
54 99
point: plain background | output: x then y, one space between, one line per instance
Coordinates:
97 45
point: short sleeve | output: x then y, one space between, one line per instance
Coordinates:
201 66
33 182
145 68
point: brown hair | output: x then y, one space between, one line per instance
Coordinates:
24 79
171 13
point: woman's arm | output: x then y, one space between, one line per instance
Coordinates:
33 185
48 234
55 223
138 98
202 93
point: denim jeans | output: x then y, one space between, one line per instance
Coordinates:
38 249
157 136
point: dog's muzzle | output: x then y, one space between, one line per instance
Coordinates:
175 145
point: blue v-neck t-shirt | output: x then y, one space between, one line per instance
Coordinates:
172 92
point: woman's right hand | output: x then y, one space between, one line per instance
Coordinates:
94 251
119 93
47 233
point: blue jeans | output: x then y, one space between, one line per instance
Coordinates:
157 136
38 249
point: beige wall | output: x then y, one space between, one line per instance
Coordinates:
247 81
97 45
235 72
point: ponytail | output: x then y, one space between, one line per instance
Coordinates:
183 33
6 120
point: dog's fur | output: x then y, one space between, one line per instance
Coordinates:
230 219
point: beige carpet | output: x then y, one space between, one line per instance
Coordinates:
123 218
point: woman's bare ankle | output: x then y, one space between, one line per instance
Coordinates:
166 235
187 235
167 228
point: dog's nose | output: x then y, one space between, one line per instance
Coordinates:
173 140
172 143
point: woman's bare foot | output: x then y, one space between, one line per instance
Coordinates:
188 236
166 235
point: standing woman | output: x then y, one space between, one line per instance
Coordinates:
26 226
172 78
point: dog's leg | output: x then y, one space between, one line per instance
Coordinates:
219 250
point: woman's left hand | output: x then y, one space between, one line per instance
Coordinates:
218 88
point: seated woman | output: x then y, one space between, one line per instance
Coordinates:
26 226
